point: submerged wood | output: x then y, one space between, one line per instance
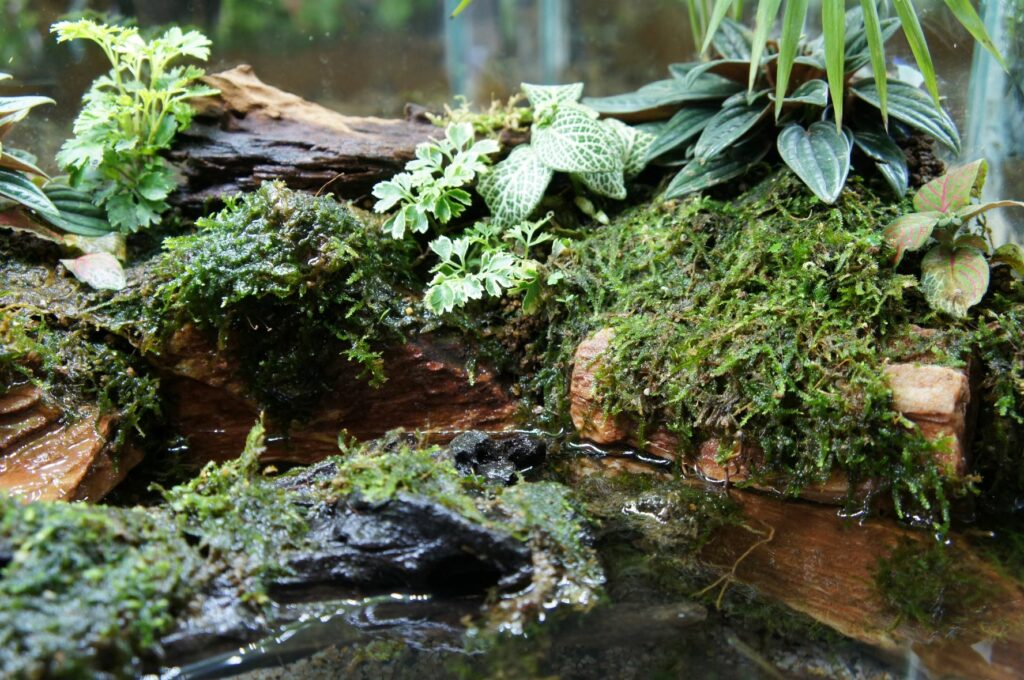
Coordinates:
428 389
253 132
935 398
49 455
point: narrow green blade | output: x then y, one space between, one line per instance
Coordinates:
918 45
876 47
458 10
792 25
718 12
833 25
766 12
965 14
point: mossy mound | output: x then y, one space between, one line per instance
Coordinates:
289 282
766 321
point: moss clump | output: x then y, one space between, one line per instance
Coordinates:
73 368
238 516
930 584
764 321
88 588
290 282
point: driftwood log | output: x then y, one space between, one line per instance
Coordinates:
253 132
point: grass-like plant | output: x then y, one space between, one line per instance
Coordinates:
130 116
722 126
955 272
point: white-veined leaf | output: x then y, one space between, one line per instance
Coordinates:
514 187
610 184
541 95
573 141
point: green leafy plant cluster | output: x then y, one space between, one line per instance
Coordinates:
480 262
130 116
566 136
955 272
435 182
291 284
729 110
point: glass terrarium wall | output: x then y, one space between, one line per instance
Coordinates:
371 57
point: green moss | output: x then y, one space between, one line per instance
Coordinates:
931 584
88 588
765 320
238 516
290 283
78 367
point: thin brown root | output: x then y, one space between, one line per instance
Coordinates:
726 579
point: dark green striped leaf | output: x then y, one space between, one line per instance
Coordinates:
664 93
726 127
877 145
733 163
913 107
681 128
819 155
21 190
732 40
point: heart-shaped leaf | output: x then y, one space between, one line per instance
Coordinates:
725 128
101 271
681 128
952 191
820 156
1009 254
514 187
910 232
877 145
954 279
576 142
913 107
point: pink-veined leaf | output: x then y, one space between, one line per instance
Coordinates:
910 232
954 279
975 210
101 271
952 191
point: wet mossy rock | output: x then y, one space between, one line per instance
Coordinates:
772 324
213 568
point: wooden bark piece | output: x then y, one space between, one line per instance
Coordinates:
428 389
253 132
823 566
44 458
935 398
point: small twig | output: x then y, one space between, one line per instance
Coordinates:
728 577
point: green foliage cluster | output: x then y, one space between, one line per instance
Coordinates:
17 169
130 116
767 321
955 273
74 368
239 518
931 584
88 588
290 283
723 126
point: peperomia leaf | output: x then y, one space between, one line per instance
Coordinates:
954 279
514 187
813 92
910 232
1009 254
664 93
725 128
21 190
726 166
681 128
877 145
819 155
574 141
732 40
541 95
952 191
913 107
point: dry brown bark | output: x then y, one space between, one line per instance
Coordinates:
49 455
253 132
